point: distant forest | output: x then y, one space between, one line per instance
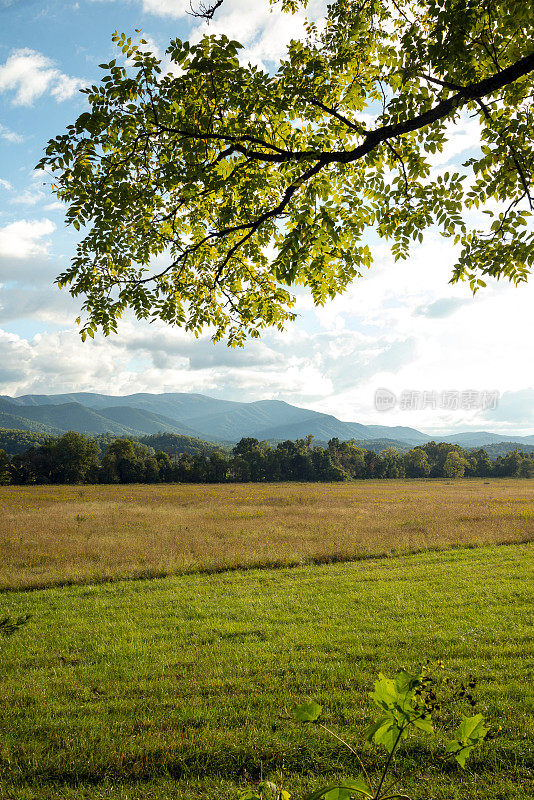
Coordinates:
168 458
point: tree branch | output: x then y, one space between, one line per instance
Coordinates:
205 12
515 159
372 139
334 113
464 94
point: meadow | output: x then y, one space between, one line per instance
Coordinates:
53 535
184 686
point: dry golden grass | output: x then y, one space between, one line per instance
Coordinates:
51 535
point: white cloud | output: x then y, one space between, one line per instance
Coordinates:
5 184
401 326
30 74
10 136
264 30
29 197
166 8
26 238
55 360
514 408
462 136
331 370
459 342
66 87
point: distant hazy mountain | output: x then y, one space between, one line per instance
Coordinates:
174 405
481 438
207 418
321 426
144 421
400 433
73 416
66 417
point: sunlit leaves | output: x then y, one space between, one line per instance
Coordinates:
401 708
204 193
308 712
471 732
405 702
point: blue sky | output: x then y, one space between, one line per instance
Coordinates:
402 327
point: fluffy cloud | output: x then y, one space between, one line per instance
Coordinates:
25 238
52 360
336 371
34 193
40 304
166 8
30 197
401 326
443 307
29 74
138 359
265 30
413 338
8 135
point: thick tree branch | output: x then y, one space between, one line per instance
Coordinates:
473 92
372 139
216 164
445 108
486 111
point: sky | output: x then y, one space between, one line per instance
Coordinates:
447 360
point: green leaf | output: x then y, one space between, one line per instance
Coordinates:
308 712
385 693
424 724
472 728
345 789
358 785
471 732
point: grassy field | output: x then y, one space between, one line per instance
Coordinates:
184 687
52 535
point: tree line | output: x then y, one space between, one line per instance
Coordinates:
15 441
74 458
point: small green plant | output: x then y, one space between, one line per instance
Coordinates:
406 702
267 790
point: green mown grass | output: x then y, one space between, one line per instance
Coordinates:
184 687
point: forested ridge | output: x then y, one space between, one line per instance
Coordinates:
74 458
14 442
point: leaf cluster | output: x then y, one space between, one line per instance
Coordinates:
407 702
205 190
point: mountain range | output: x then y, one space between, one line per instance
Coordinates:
207 418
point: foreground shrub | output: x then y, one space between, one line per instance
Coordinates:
407 703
